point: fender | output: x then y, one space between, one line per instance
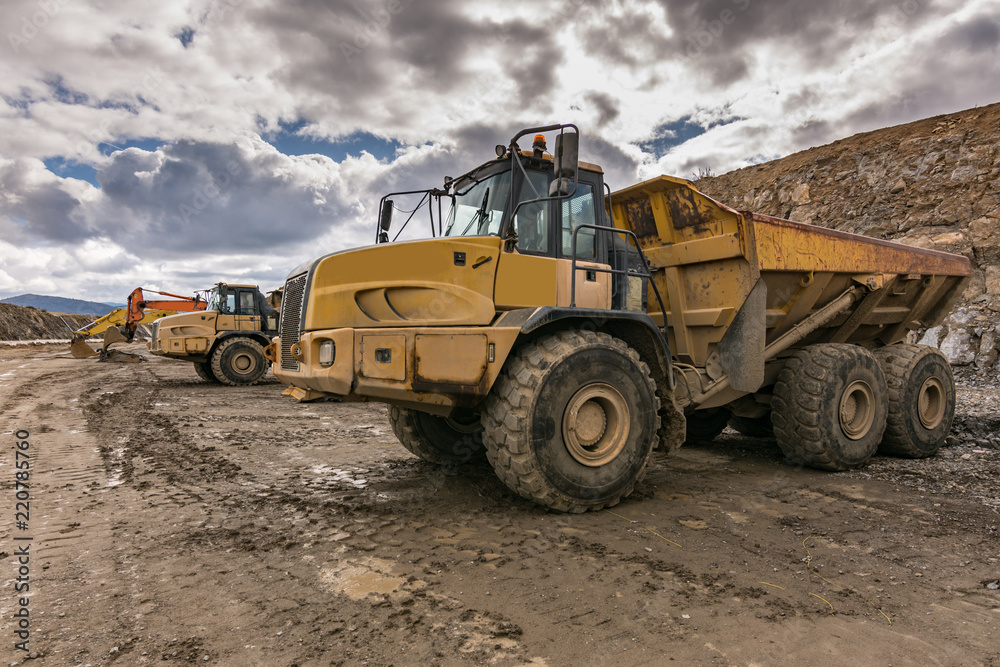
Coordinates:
636 329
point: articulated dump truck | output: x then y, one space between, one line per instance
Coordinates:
564 334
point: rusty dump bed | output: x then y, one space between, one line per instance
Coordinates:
711 262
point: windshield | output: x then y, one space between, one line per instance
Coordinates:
478 211
221 302
214 299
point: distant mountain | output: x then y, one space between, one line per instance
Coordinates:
58 304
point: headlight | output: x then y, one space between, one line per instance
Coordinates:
327 352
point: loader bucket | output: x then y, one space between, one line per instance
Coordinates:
112 336
79 348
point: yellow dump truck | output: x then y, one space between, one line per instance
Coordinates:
564 333
225 341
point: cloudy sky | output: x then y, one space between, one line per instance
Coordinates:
175 144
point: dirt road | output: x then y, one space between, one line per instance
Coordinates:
174 521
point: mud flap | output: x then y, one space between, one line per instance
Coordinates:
741 350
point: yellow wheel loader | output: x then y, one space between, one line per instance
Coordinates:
225 342
564 332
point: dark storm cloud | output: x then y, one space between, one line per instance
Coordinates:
977 35
718 37
355 49
607 107
620 168
46 211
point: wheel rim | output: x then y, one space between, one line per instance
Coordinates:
930 402
857 409
466 425
244 363
596 424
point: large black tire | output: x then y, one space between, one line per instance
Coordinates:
921 399
447 442
706 425
239 361
754 427
830 405
572 421
204 371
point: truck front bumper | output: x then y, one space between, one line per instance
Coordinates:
432 369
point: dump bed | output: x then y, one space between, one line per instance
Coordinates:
735 282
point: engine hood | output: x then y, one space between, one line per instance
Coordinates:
434 282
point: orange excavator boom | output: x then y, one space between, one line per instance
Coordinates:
120 325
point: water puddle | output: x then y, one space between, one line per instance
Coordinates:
361 579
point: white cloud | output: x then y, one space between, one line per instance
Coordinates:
446 80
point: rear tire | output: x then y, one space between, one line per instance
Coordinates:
572 421
447 442
753 427
829 408
921 399
239 361
204 371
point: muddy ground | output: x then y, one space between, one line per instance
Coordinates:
178 522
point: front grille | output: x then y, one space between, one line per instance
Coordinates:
291 314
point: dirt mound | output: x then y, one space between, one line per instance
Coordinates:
26 323
934 183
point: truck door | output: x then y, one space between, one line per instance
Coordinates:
247 315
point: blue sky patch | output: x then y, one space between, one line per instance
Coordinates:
289 142
70 169
63 93
186 36
149 145
668 136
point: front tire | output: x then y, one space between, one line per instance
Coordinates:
447 442
572 421
921 399
829 407
239 361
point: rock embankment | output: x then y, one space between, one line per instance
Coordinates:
26 323
934 183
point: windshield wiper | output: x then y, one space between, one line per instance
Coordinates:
480 213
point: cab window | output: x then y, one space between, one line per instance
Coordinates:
246 303
579 210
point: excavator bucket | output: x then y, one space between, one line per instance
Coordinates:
111 336
79 348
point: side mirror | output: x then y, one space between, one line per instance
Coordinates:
385 216
567 162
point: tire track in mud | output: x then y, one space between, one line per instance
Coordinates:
259 523
73 559
255 530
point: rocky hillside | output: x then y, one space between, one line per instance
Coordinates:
25 323
934 183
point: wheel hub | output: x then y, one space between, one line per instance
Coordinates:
244 363
596 424
930 402
857 409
